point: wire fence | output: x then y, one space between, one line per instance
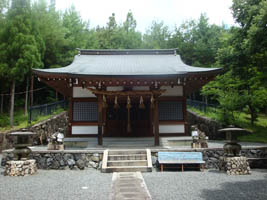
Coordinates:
46 109
202 106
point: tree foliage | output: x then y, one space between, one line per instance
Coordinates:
34 34
157 36
244 54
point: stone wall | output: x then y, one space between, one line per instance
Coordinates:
208 126
46 128
69 159
61 160
43 131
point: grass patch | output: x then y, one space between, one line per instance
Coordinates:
242 119
21 120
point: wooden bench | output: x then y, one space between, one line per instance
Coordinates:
180 158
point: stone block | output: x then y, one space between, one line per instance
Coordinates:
20 168
234 165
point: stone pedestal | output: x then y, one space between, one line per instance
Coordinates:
20 168
55 147
234 165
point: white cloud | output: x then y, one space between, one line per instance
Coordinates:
145 11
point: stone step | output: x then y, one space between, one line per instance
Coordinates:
128 157
127 163
130 186
126 152
127 169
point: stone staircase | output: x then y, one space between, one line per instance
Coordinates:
127 161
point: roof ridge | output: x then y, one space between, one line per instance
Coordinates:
127 51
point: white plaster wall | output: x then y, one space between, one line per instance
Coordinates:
177 128
114 88
79 92
138 88
172 91
84 130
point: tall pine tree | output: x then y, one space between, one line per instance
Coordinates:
18 50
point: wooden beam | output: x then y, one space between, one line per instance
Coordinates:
156 123
126 93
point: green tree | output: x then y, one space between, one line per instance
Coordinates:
50 25
19 49
157 36
244 54
110 36
77 31
226 90
131 39
197 41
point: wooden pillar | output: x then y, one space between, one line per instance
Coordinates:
156 123
104 120
100 121
69 133
186 128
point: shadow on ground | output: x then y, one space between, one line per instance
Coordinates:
245 190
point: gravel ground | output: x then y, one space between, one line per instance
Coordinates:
93 185
54 184
208 185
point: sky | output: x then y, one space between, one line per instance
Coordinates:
171 12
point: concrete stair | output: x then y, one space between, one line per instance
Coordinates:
127 161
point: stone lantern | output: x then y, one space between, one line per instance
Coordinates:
21 164
232 162
232 148
22 150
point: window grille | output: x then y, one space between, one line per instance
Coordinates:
85 111
171 110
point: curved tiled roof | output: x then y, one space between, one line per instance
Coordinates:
127 62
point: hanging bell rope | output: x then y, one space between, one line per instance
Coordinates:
116 105
129 116
128 103
152 102
105 105
142 105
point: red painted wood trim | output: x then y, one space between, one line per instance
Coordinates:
87 99
171 122
171 134
84 123
171 98
82 135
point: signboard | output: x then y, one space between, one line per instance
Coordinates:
179 156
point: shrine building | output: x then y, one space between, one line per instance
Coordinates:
127 93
